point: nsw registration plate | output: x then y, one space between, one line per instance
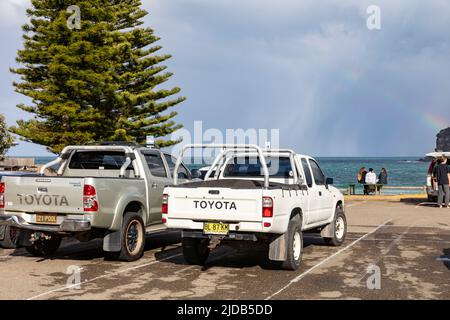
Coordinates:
46 218
216 228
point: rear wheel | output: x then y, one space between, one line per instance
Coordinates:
44 247
132 239
11 237
195 251
338 228
294 244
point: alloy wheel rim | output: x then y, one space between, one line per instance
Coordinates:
134 237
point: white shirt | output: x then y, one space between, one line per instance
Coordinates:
371 178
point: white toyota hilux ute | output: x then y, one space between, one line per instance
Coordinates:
264 197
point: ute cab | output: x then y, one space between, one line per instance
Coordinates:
432 187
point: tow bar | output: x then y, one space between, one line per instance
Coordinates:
214 241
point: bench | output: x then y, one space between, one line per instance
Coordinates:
376 188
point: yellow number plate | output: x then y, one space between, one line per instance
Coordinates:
215 228
46 218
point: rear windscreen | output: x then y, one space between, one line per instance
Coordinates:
251 167
95 160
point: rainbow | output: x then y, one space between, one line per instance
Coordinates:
437 123
433 121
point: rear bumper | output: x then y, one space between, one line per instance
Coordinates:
231 236
68 225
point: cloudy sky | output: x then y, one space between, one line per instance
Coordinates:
309 68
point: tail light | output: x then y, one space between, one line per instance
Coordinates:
2 195
267 207
90 203
165 204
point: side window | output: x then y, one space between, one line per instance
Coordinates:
308 176
155 164
182 171
319 177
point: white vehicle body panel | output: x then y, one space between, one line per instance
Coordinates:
189 206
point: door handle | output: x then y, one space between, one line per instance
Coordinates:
154 185
320 193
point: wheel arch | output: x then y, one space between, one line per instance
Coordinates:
297 211
128 205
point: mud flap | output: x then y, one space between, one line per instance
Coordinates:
327 232
277 247
112 242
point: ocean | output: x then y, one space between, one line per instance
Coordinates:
402 171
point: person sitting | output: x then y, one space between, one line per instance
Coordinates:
362 178
371 177
383 177
371 181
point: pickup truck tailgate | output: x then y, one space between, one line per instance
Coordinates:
44 194
217 204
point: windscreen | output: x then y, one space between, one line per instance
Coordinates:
279 167
98 160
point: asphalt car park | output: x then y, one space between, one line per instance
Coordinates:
394 250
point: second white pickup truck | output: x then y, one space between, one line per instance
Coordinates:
268 197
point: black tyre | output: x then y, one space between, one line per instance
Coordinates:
195 251
44 247
11 237
338 228
294 245
133 239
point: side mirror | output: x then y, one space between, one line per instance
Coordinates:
329 181
195 174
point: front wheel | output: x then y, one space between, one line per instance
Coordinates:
338 228
11 237
195 251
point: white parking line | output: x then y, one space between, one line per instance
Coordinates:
384 253
298 278
423 203
443 259
403 240
104 276
353 204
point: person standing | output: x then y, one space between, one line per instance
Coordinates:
383 177
441 173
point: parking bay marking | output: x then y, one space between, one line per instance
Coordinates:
299 277
105 276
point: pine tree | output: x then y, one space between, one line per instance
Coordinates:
97 83
6 139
